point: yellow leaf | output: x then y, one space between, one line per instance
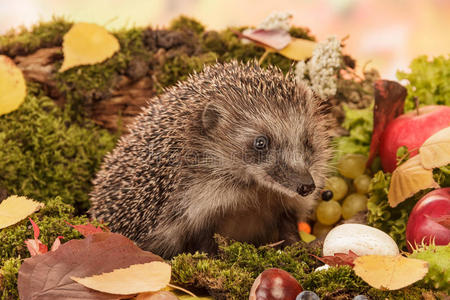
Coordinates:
435 152
16 208
389 272
12 86
87 44
298 49
408 179
140 278
306 237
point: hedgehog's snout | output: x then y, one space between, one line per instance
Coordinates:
306 187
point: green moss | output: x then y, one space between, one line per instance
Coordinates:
51 221
8 279
186 23
44 154
180 66
85 84
42 35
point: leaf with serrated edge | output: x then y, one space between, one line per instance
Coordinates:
389 272
87 44
435 151
48 275
408 179
141 278
16 208
12 86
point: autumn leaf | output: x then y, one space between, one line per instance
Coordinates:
435 151
408 179
298 49
389 272
276 39
389 102
86 229
12 86
35 246
48 275
87 44
140 278
16 208
306 237
339 259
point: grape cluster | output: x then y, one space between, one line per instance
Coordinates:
344 195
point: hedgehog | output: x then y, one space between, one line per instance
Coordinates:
236 150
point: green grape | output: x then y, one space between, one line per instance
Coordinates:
362 183
352 165
320 230
338 186
328 212
352 204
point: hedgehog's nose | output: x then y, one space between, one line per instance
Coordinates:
306 189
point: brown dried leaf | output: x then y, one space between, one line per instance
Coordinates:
140 278
435 151
389 102
14 209
339 259
86 229
87 44
408 179
48 275
12 86
390 272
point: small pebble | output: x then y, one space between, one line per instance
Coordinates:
321 268
360 297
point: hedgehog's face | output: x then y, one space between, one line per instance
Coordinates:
283 150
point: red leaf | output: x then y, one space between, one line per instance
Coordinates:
35 229
276 38
56 243
47 276
87 229
389 102
339 259
35 246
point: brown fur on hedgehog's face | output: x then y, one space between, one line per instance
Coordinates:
279 143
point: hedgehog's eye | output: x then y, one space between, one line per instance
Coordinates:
261 143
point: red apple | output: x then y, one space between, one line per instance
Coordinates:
429 219
411 130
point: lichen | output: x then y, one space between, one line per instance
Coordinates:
44 154
8 279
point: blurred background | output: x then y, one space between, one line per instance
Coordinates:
386 34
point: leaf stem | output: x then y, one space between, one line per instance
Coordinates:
261 59
181 289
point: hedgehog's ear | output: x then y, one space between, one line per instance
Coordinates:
210 117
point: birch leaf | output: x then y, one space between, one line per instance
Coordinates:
16 208
408 179
389 272
435 151
87 44
140 278
12 86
